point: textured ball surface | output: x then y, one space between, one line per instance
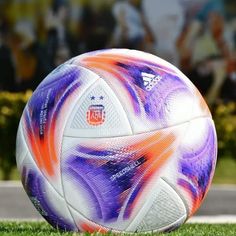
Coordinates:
116 140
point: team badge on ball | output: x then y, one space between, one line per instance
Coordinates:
96 115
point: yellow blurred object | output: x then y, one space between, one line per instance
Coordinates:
6 111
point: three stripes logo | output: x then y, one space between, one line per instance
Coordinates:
150 80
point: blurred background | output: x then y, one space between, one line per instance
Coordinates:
199 37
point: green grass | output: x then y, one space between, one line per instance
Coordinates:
34 229
225 172
14 175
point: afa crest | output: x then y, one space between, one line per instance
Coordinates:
96 115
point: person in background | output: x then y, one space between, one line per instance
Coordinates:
29 57
58 35
228 90
207 48
130 31
6 63
62 54
55 29
97 23
166 20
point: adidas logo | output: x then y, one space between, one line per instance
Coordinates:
150 80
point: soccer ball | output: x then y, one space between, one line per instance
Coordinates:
116 140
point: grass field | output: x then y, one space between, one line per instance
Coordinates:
41 229
225 172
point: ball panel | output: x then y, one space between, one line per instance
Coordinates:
111 177
154 94
196 163
166 211
98 113
50 204
21 147
198 166
85 225
140 56
46 114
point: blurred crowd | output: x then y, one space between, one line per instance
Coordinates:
199 37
